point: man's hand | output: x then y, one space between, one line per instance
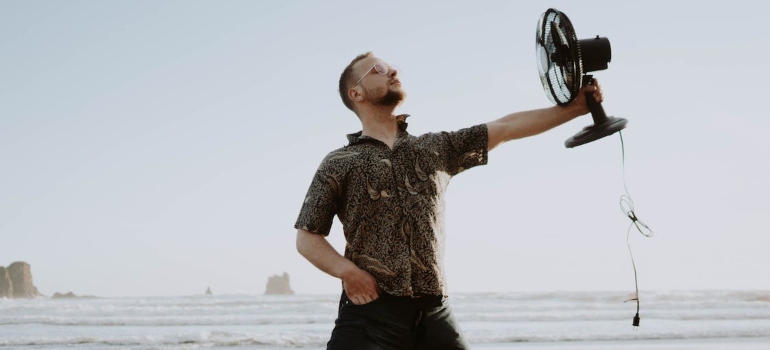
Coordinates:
580 104
360 286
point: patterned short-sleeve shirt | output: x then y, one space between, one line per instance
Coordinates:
391 203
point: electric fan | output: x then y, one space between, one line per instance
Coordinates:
564 62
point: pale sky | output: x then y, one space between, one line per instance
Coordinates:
160 147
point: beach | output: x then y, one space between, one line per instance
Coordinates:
490 321
660 344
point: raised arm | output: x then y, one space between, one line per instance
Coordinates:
360 286
528 123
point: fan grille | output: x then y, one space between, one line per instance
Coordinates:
558 55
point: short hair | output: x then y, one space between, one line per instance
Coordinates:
347 80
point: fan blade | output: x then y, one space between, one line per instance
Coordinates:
557 35
561 53
543 59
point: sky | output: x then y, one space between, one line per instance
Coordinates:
161 147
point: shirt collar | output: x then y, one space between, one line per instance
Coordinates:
357 137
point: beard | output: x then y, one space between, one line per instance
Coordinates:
389 99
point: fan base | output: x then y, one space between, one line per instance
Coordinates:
594 132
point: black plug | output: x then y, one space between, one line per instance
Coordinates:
636 320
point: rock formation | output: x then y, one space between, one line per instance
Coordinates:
278 284
70 295
16 281
6 288
208 291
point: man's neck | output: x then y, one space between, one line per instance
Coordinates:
380 124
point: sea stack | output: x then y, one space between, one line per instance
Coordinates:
6 288
278 285
16 281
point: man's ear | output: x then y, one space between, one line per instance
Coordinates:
356 94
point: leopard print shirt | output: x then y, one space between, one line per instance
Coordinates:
391 203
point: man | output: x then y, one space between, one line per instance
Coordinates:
386 187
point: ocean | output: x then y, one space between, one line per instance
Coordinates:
515 320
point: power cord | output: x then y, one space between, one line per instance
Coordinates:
627 206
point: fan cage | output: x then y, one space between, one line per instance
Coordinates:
561 82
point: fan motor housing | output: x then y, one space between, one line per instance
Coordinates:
596 53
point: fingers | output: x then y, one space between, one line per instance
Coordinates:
598 96
362 296
359 300
596 88
360 287
363 299
370 296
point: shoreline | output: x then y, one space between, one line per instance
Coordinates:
730 343
752 343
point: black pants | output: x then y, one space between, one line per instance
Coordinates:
396 323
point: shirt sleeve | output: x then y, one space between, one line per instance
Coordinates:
321 202
465 148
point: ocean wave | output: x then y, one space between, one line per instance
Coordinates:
556 316
198 320
607 337
193 339
306 321
318 339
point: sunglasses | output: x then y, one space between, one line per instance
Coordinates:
380 68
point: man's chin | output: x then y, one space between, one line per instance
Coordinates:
393 98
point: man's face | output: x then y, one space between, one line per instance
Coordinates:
380 82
